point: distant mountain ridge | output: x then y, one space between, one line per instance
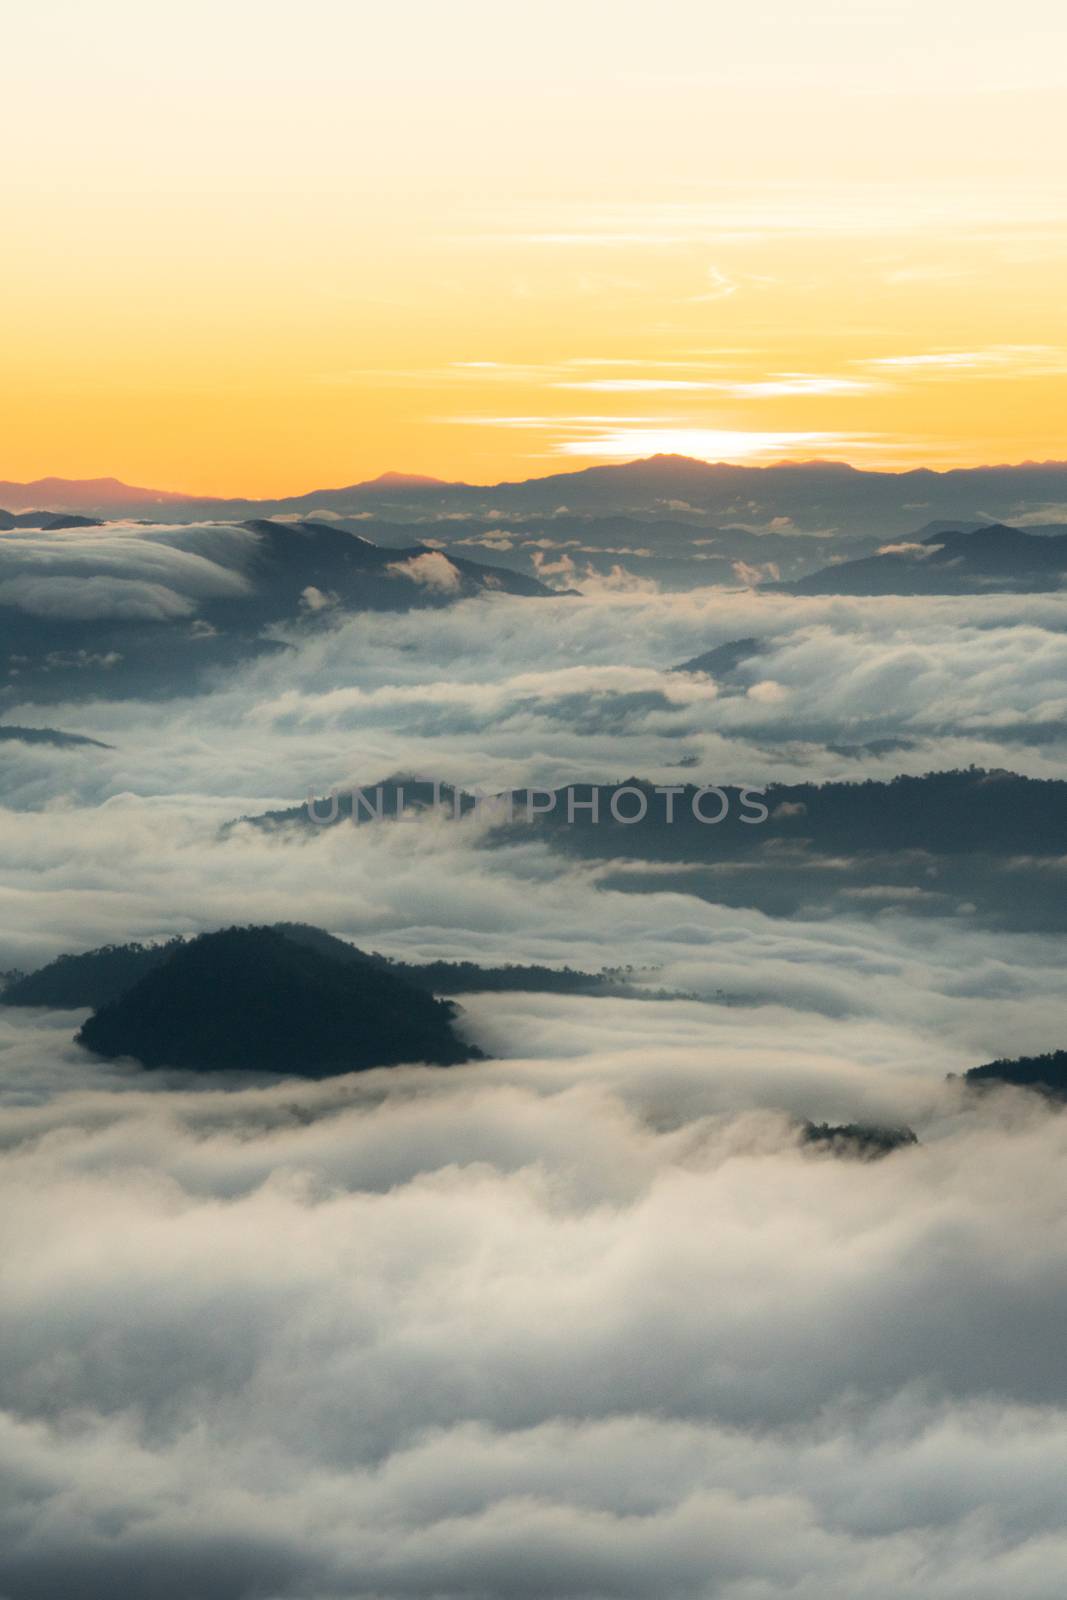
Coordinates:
970 843
50 521
991 557
812 495
78 494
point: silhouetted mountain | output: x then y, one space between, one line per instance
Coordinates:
812 496
253 999
98 977
103 496
50 521
1047 1074
391 482
989 558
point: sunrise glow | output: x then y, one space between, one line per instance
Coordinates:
262 258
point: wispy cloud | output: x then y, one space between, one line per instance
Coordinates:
996 360
800 383
709 444
639 385
779 384
573 424
731 212
946 358
720 287
630 437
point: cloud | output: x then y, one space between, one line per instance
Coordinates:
727 214
438 1331
83 598
472 693
708 444
751 573
767 692
909 548
799 383
493 539
432 571
782 384
1004 360
638 385
944 358
317 600
587 1319
1035 516
123 570
631 437
720 287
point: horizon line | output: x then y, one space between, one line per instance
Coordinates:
414 481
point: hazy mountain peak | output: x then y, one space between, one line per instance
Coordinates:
76 494
403 480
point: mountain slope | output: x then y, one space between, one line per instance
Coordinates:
359 575
94 978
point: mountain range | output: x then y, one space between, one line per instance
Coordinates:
812 496
983 845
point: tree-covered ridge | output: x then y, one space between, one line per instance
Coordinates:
1047 1074
98 977
869 1141
253 999
951 813
94 978
963 810
985 844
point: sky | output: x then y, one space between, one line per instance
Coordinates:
257 251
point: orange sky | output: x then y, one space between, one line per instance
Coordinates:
256 249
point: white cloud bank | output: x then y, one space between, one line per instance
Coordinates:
508 1331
